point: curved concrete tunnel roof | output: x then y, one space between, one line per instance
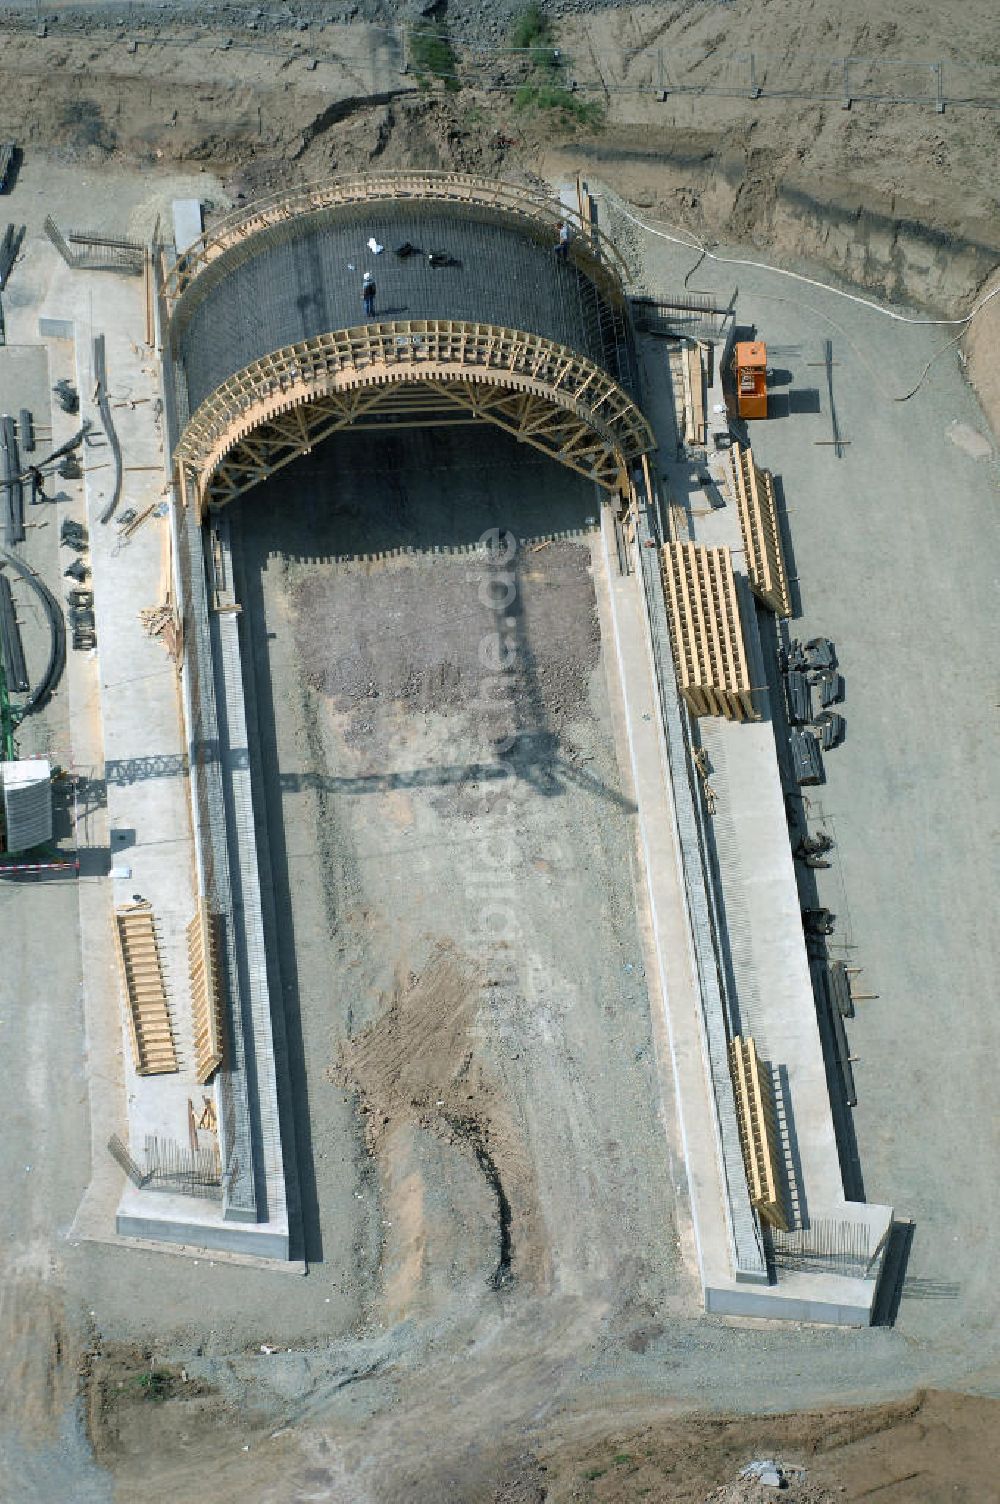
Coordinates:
302 278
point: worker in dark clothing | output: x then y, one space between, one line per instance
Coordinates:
37 486
368 295
562 245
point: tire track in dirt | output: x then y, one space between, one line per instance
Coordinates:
418 1065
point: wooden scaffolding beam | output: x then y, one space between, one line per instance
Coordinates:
206 992
755 1112
755 500
148 1016
706 630
506 202
409 373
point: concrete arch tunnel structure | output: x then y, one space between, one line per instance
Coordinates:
265 356
478 320
481 319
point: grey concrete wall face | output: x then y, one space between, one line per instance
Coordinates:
294 281
782 1307
257 1241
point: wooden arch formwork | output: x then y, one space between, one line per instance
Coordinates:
509 203
413 373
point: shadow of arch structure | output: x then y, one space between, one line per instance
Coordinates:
269 359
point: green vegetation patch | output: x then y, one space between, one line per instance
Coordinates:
569 106
532 33
431 55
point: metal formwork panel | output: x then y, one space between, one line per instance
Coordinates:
27 803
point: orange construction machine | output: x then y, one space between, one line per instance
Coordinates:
750 366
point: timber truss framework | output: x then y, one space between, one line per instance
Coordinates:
504 201
406 374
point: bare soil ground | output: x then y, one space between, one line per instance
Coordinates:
893 196
461 836
507 1300
159 1427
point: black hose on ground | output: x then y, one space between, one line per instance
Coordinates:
101 377
57 649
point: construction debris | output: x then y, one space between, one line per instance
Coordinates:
163 622
73 534
840 989
813 849
798 698
11 489
101 380
8 151
148 1016
831 727
67 396
757 504
807 762
131 521
10 246
706 631
15 671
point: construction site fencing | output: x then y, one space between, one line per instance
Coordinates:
610 72
757 74
776 75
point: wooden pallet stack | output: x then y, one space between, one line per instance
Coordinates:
150 1029
755 1112
206 992
755 501
706 630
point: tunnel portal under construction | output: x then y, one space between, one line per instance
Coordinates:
480 315
491 306
486 312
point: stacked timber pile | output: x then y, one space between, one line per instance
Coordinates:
755 500
150 1030
206 992
755 1112
706 631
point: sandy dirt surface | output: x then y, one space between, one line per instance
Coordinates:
891 195
500 1304
933 1448
478 959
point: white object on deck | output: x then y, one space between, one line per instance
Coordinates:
187 223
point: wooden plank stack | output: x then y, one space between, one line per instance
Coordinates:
694 392
706 630
206 992
754 491
754 1093
150 1029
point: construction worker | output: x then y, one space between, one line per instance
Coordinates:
37 484
368 295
